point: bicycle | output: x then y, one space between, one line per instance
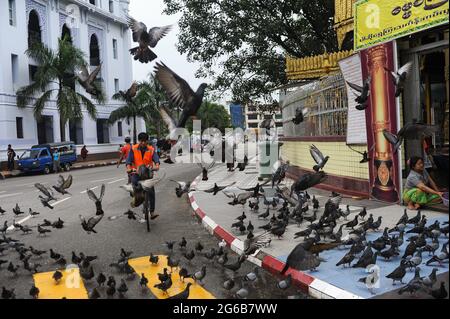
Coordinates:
146 208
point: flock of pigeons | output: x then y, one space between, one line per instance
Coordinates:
326 232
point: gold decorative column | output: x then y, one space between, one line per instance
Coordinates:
383 188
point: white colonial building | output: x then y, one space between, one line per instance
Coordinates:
97 27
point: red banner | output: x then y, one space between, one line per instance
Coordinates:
385 180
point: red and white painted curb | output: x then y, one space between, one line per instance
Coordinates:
314 287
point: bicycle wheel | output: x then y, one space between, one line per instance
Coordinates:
146 212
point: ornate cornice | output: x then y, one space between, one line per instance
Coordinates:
314 67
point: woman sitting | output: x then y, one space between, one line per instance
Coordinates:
420 189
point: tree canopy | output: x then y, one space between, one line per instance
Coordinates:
211 115
250 38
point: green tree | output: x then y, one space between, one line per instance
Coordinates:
55 75
211 115
131 110
250 38
152 94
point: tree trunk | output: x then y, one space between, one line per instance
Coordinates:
62 128
134 130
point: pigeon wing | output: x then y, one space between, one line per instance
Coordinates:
244 196
60 181
157 34
392 138
43 189
94 74
181 184
405 68
316 154
92 195
102 192
68 182
355 87
83 74
178 90
168 120
229 195
137 27
94 220
132 91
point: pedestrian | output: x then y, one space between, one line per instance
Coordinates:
420 189
56 158
124 151
84 153
11 156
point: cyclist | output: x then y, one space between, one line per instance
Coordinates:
142 154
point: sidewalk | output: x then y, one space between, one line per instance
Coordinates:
328 281
77 165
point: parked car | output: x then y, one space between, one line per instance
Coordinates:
39 158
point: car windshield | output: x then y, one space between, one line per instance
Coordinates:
30 154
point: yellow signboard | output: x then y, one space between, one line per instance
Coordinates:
379 21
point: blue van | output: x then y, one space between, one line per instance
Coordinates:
39 158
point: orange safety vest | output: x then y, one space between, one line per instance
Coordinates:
146 160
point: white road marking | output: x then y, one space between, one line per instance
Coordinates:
116 181
1 192
10 195
102 180
20 222
59 202
84 192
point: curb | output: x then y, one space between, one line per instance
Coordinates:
2 176
314 287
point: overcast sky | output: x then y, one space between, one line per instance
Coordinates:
150 12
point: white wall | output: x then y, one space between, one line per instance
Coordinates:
13 40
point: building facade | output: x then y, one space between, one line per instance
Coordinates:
99 29
254 116
425 99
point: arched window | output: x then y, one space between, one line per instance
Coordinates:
94 51
34 29
66 33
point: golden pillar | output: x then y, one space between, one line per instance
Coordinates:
383 188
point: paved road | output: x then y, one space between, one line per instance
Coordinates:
175 221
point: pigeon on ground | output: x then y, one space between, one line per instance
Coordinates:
57 276
398 273
362 93
145 39
17 211
34 292
216 189
180 93
285 283
439 293
205 169
414 285
301 259
346 260
184 294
